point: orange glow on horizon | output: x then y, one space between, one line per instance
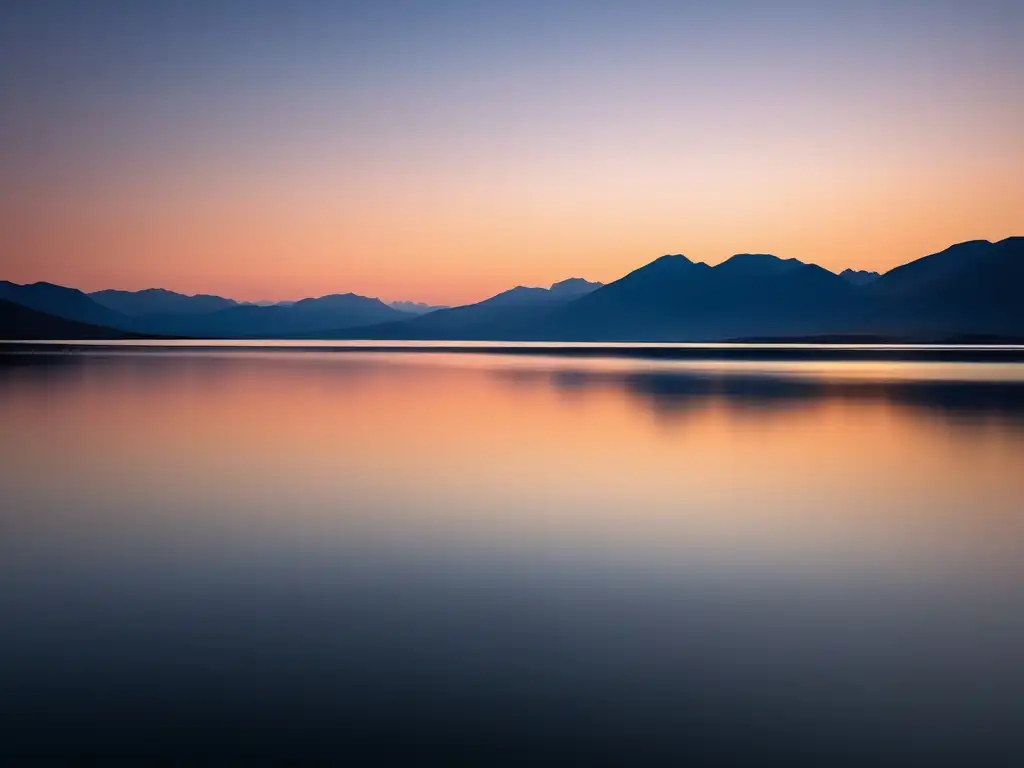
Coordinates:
462 242
448 168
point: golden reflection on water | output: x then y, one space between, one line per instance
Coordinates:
681 455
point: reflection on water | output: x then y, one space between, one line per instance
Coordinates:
526 554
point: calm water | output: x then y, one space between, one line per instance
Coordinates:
256 553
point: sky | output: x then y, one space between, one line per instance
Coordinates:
445 151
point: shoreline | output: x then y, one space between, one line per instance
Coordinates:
776 351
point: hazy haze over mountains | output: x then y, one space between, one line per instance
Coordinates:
971 288
415 307
859 276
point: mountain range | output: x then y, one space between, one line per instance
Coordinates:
970 289
20 322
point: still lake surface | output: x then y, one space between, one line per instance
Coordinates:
250 551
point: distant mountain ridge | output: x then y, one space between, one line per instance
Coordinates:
969 290
416 307
325 313
859 276
157 301
513 312
166 313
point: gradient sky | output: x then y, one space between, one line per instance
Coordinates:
444 151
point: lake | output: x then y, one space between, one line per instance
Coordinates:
244 552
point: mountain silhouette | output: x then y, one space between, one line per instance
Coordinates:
23 323
572 288
757 265
415 307
858 276
920 274
67 303
674 298
509 314
157 301
165 313
970 290
327 313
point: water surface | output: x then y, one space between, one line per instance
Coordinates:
211 550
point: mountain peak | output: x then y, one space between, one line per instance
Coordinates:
938 266
60 301
758 264
755 257
42 285
969 243
671 258
669 264
338 300
574 286
43 288
663 268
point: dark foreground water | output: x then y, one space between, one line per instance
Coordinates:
209 556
